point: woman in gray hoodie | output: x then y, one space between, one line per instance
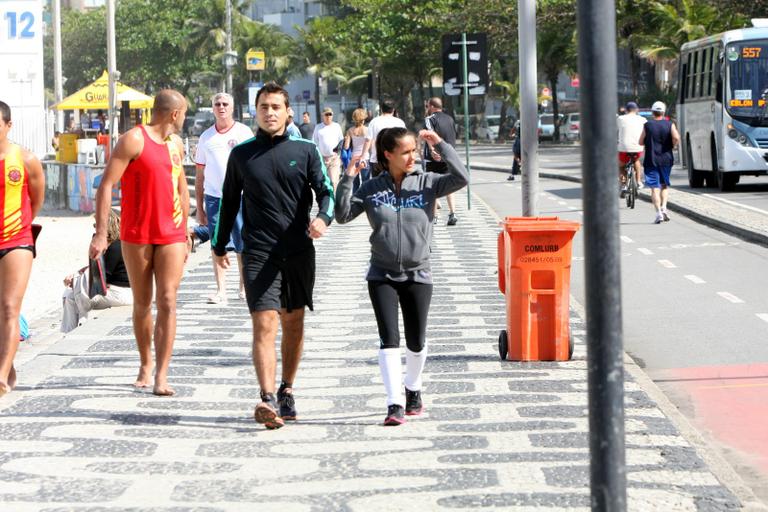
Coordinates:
399 204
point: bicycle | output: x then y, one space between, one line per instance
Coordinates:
631 181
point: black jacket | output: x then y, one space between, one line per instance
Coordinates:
276 177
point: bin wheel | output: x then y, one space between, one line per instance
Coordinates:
503 346
570 347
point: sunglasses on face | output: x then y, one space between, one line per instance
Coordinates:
327 115
221 104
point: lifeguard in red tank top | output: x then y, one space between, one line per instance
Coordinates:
150 207
16 220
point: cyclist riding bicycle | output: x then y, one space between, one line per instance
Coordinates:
630 128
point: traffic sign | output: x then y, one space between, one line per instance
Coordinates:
546 91
575 82
255 60
477 64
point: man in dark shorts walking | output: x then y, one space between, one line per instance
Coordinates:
442 124
660 137
276 176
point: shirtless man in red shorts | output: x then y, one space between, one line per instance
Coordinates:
153 227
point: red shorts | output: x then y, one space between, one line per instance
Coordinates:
624 157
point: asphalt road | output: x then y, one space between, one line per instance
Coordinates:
695 305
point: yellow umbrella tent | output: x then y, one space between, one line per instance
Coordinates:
96 96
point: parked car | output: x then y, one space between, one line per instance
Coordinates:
571 127
202 121
546 126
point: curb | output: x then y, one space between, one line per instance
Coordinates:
746 234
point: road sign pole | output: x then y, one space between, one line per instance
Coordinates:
465 80
597 67
526 27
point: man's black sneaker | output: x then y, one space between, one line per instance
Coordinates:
413 405
266 412
511 177
287 404
395 415
452 220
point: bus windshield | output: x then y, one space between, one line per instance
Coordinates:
747 80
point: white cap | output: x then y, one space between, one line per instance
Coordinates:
658 106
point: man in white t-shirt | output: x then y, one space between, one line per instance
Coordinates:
328 138
211 162
630 128
386 119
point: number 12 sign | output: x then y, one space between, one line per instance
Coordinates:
21 25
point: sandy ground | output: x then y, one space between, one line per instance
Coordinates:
62 248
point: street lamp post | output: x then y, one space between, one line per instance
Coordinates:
112 72
230 57
602 255
57 75
528 106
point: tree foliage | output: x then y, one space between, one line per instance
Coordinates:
158 48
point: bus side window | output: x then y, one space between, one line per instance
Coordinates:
689 74
718 76
696 85
683 87
705 80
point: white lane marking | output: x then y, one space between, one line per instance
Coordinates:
627 240
734 203
667 264
762 316
562 203
645 251
730 297
695 279
572 208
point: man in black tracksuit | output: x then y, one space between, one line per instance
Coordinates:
275 174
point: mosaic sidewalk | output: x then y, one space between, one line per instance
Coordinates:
495 434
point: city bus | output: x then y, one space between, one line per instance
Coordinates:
721 106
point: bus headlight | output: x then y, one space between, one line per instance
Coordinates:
739 137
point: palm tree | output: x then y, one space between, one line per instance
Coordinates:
676 23
208 42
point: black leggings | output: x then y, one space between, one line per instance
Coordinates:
414 298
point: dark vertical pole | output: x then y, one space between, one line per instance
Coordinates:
465 92
597 69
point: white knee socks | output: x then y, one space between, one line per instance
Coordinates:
414 366
392 374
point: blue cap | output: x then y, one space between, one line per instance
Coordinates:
632 106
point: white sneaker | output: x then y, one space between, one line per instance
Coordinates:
664 215
640 185
659 218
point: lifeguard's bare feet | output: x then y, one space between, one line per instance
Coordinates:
4 388
161 387
144 379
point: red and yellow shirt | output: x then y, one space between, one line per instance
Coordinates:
151 207
16 221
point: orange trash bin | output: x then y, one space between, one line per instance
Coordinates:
535 276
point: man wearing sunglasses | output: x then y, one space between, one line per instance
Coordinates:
329 138
211 162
